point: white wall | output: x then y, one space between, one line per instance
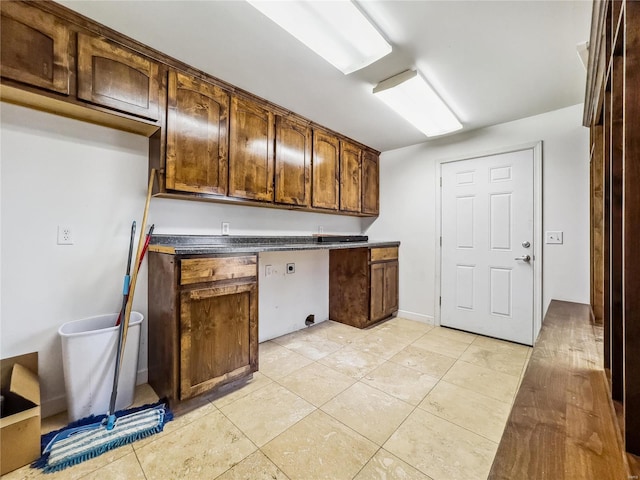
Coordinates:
408 204
287 298
57 171
60 171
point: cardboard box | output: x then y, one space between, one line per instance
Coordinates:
20 421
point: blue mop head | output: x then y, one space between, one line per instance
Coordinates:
89 437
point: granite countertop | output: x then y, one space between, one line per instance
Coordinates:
220 244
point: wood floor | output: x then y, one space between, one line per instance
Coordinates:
562 424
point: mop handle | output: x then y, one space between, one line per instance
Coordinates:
132 288
125 294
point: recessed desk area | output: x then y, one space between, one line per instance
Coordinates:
203 302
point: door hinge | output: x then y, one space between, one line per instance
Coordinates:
440 240
440 181
440 301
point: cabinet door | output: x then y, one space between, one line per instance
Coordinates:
377 292
115 77
349 286
370 183
390 288
326 157
350 177
292 162
197 140
251 151
219 336
34 47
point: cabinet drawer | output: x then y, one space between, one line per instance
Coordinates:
199 270
386 253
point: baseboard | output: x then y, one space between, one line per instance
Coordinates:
53 406
418 317
281 333
142 377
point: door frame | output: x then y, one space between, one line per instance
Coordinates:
537 226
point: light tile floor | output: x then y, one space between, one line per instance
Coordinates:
400 400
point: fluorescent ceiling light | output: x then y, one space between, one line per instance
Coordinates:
336 30
413 98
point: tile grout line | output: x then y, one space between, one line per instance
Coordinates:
140 463
358 380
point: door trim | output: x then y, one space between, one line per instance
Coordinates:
537 226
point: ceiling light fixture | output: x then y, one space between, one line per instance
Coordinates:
335 30
413 98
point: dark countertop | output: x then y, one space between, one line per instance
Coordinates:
220 244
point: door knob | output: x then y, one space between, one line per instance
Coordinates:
524 258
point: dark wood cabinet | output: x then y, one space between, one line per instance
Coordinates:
384 282
197 135
370 183
350 177
209 140
326 170
34 47
115 77
612 112
363 285
292 162
203 322
251 170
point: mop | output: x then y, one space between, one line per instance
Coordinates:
94 435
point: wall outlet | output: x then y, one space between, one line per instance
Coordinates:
553 238
65 235
291 268
320 229
268 270
225 228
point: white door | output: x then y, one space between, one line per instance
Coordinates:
487 280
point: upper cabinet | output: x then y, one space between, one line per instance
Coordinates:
197 135
350 177
251 170
326 169
208 139
34 47
292 162
112 76
370 183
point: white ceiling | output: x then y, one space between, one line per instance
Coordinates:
491 61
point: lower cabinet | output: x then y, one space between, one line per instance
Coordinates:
203 322
384 287
363 285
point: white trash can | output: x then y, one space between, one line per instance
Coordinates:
88 357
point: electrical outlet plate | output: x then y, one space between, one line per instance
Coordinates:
553 238
225 228
65 235
268 270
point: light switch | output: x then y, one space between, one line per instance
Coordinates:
553 237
